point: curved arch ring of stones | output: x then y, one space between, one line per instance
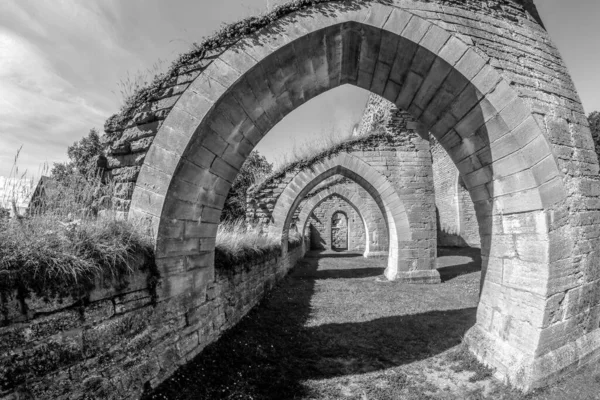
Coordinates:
207 167
352 167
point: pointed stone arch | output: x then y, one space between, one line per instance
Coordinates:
529 192
352 198
402 264
329 215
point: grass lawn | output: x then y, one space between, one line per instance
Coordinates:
335 330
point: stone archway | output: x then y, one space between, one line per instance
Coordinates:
530 181
327 225
402 263
352 198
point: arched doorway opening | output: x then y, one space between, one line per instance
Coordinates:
340 231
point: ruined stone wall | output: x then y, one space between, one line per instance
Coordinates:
329 183
445 178
320 225
552 248
117 341
382 115
381 150
455 213
402 157
490 25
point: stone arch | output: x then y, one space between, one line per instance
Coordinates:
510 164
401 264
352 198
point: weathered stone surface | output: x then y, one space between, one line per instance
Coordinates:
113 347
505 75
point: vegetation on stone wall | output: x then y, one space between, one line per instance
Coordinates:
200 56
69 241
238 243
377 138
44 256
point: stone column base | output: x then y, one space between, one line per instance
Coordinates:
424 276
525 371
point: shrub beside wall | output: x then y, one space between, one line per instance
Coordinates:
117 342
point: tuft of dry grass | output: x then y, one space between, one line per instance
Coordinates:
133 83
237 242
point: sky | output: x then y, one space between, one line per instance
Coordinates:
63 64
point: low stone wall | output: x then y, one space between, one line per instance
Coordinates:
118 343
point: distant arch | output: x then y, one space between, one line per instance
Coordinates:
381 190
352 198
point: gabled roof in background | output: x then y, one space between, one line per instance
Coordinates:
22 190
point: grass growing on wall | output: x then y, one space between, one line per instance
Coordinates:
69 240
238 243
45 256
309 157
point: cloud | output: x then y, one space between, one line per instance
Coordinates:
53 91
38 107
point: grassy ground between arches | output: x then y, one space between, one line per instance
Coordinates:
333 330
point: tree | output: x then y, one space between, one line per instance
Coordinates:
254 168
82 157
62 171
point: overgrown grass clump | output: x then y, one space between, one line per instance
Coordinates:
45 256
238 243
70 241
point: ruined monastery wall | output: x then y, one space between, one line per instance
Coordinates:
115 341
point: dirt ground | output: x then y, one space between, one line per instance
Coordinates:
336 329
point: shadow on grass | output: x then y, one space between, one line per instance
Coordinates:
310 269
272 351
448 267
339 273
332 254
